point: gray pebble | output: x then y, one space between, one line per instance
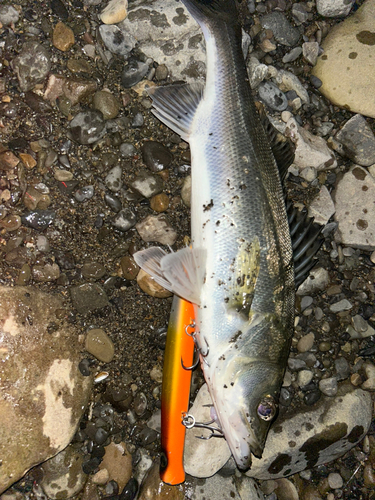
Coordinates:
342 368
282 29
147 185
64 161
300 13
113 202
116 40
140 403
285 397
88 297
359 323
38 219
32 65
324 129
107 104
342 305
138 120
8 15
272 96
113 180
335 481
310 52
127 150
133 73
84 194
328 386
156 156
296 364
306 302
124 220
93 270
100 345
310 398
292 55
46 273
88 127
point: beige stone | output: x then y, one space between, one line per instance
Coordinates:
347 66
115 12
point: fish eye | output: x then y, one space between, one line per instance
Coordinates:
267 409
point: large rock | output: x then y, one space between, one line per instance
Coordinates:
42 392
298 441
355 209
347 66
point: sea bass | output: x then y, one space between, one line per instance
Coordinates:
239 268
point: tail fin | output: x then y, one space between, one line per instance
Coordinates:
205 11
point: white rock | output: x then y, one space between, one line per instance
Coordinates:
115 12
341 305
334 8
355 209
311 150
317 280
257 72
347 64
288 81
358 141
203 458
308 173
158 229
322 207
310 52
335 481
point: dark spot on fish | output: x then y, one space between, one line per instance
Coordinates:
359 173
218 223
225 386
235 336
361 224
232 384
281 461
209 206
353 55
226 300
210 133
313 446
355 434
243 186
366 37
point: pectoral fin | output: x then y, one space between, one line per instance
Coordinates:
246 270
180 272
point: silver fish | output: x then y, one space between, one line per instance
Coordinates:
239 270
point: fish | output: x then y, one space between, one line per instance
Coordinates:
179 353
239 270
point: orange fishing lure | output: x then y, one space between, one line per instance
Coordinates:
179 352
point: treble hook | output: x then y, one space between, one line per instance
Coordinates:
197 348
189 422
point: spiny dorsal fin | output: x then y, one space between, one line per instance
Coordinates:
175 106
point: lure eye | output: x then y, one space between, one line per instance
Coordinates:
266 409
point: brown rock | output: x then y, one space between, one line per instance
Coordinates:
153 487
129 268
63 37
8 160
159 202
28 160
149 286
118 462
74 89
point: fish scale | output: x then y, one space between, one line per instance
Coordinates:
240 237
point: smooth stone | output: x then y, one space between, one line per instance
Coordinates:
347 65
310 52
342 368
358 141
257 72
129 267
100 345
309 174
63 476
334 8
32 65
62 175
93 270
272 96
159 202
88 297
133 72
328 386
113 202
8 160
157 228
114 12
46 384
317 280
38 219
355 209
292 55
306 342
203 458
304 377
84 194
335 481
287 81
311 150
186 191
283 31
151 287
88 127
8 15
322 207
156 156
68 92
113 179
118 462
63 37
341 305
124 220
127 150
46 273
117 40
107 104
58 8
147 184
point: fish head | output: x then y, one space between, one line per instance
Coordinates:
247 404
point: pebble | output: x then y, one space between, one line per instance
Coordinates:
369 384
100 345
283 31
127 150
358 141
28 160
159 202
133 73
355 210
334 8
88 297
306 302
11 222
114 12
300 13
130 490
118 462
24 275
292 55
272 96
116 40
158 229
46 273
93 270
186 191
8 15
63 37
147 184
149 286
306 342
342 368
101 477
295 364
257 72
287 81
113 180
304 377
107 104
285 490
347 64
62 175
87 127
322 207
129 268
335 481
113 202
38 219
32 65
59 9
84 194
124 220
328 386
156 156
310 52
309 174
138 120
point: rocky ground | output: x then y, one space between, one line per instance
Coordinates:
88 176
